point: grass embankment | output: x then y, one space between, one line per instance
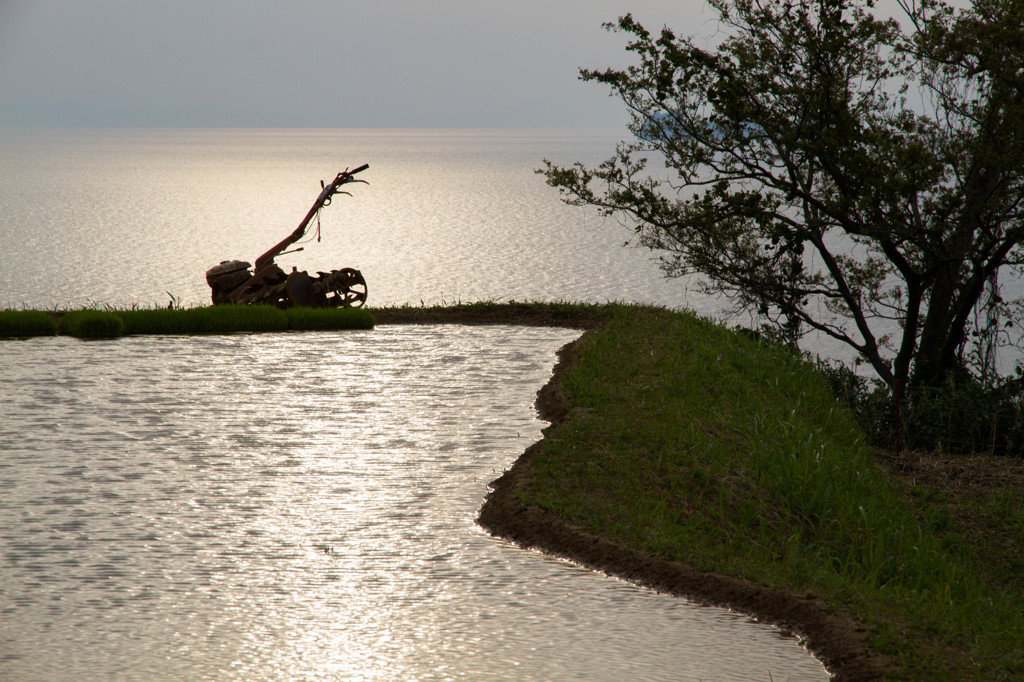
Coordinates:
93 323
699 445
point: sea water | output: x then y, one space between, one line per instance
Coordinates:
114 217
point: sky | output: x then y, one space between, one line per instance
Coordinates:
318 63
322 63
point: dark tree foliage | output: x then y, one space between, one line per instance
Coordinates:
830 170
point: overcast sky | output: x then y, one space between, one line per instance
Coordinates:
321 63
318 63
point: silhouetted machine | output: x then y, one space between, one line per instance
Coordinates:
233 282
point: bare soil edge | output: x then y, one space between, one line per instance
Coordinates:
834 637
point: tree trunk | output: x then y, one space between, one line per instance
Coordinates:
932 362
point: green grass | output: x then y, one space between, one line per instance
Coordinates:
25 323
701 445
205 320
91 324
222 319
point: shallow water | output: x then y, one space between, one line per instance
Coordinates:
301 506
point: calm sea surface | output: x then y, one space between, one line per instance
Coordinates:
301 506
131 217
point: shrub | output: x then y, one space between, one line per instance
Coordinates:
963 415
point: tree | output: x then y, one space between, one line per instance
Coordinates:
830 170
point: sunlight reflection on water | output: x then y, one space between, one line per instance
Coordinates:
301 506
122 217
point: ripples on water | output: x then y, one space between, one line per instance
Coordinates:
301 506
123 217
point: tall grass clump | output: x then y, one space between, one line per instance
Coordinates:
91 324
705 446
219 319
245 318
325 319
24 323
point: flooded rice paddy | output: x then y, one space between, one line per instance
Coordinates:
301 506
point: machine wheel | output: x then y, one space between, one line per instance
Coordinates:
347 288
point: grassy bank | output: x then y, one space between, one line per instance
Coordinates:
223 319
699 445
